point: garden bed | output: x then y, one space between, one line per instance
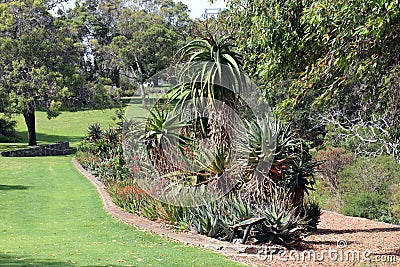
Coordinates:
337 234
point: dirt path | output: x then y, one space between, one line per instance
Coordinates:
339 241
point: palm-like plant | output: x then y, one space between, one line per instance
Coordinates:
299 180
210 71
209 49
214 68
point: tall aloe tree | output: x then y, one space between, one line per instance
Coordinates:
217 63
210 49
211 71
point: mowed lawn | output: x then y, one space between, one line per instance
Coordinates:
52 216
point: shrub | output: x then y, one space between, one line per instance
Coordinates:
370 175
394 202
7 131
113 165
128 87
365 187
363 204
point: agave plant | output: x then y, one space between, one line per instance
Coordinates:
160 132
282 225
111 136
258 146
214 218
94 132
259 143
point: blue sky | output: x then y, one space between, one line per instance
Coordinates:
197 7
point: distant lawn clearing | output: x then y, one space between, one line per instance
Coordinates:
69 126
52 216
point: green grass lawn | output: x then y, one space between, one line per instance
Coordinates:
52 216
69 126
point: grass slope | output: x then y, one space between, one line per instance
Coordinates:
52 216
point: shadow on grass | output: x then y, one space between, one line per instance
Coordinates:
43 138
14 260
12 146
138 101
14 187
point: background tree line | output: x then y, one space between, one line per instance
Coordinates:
52 58
331 68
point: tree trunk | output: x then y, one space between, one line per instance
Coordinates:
155 81
143 94
142 91
29 115
116 77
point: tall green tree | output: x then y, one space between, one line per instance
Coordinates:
132 38
150 33
35 57
311 57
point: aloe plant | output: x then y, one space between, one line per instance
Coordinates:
94 132
282 225
214 218
299 180
311 214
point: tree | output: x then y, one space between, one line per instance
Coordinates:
36 55
149 38
312 57
132 38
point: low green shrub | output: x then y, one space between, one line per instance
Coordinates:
367 188
7 131
394 201
363 204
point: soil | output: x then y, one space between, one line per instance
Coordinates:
339 241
